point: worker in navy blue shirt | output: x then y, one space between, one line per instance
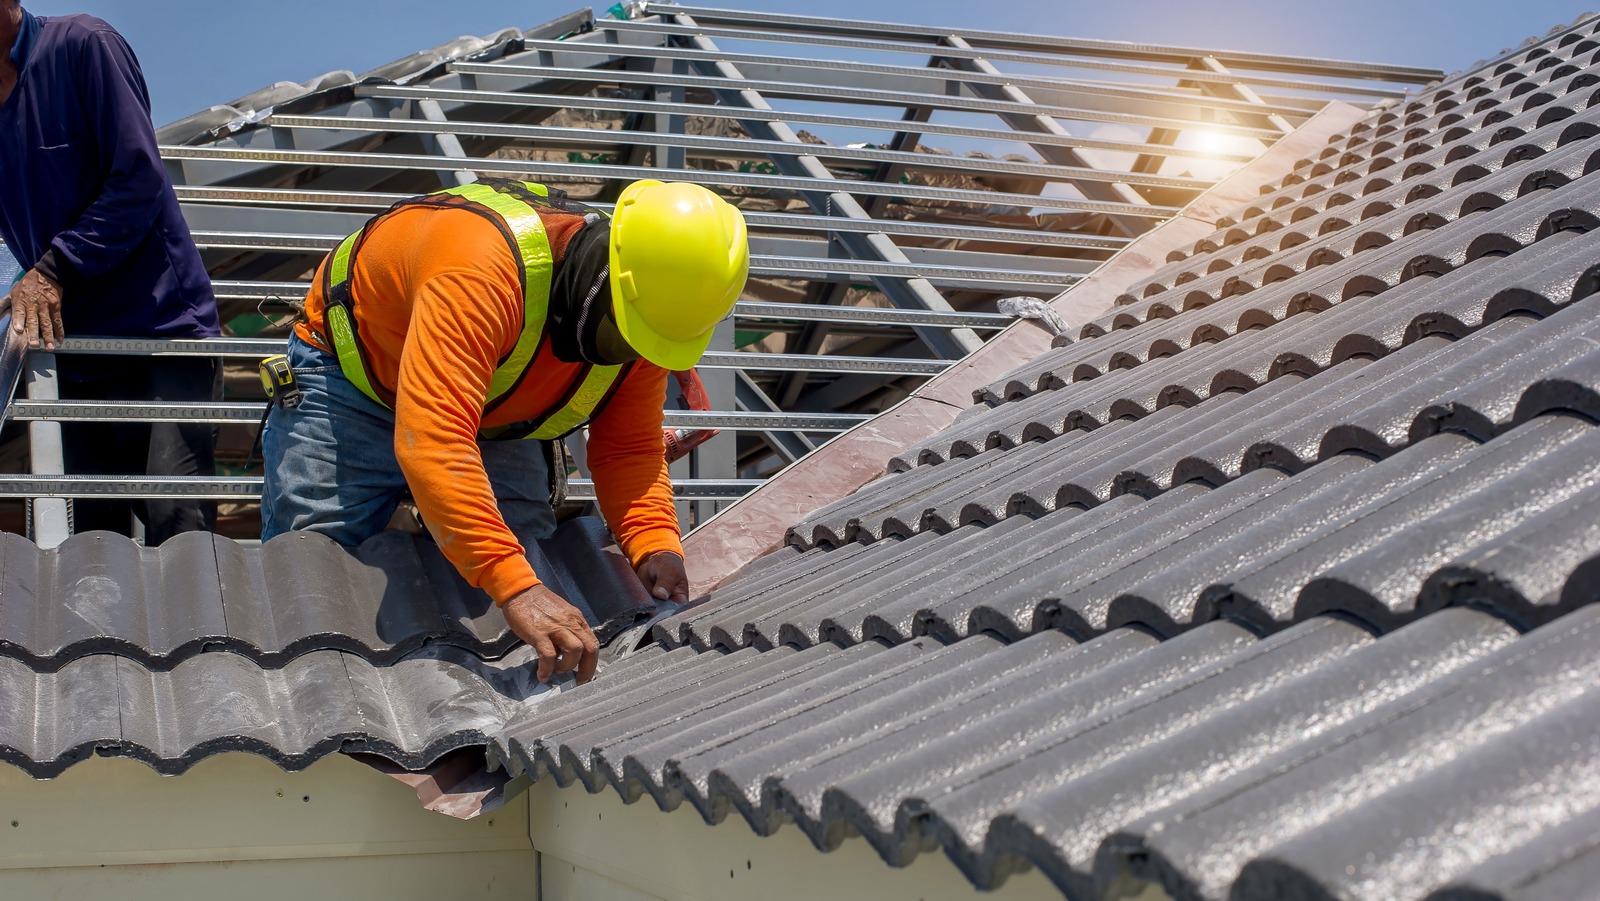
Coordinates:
88 210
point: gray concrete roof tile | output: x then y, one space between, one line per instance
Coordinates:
1465 154
1561 864
1543 567
1061 828
1490 710
1107 596
1383 408
411 711
292 651
759 622
1471 796
1049 751
1518 211
1230 589
1035 598
962 813
102 593
1225 595
1275 590
1151 590
904 602
1536 280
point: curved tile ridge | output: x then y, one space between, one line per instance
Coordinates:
1452 282
1466 154
1513 191
1552 271
1444 768
1496 377
1160 328
1549 155
1201 764
100 593
1442 139
1444 520
411 711
1462 89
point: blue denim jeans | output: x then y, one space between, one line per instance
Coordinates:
330 464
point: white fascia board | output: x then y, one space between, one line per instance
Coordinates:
231 807
478 875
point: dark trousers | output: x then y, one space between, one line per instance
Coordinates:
135 448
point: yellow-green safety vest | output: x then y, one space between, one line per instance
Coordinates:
513 207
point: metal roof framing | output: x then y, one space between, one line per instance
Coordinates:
829 28
877 257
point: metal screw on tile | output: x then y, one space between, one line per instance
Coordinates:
280 792
306 799
491 822
14 824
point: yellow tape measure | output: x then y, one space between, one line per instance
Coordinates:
277 379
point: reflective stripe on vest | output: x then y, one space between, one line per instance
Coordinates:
596 384
531 245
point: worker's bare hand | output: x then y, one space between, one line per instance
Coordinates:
35 305
556 631
664 577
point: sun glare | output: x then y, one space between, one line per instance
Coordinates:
1208 140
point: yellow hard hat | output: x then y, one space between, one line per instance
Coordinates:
679 258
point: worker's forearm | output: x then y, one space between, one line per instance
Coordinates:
627 458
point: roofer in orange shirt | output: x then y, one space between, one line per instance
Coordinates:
458 321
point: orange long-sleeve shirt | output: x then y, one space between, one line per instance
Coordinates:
438 299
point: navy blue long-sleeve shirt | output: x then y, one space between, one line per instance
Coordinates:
81 180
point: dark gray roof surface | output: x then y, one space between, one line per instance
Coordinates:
291 650
101 593
411 711
1184 760
1276 581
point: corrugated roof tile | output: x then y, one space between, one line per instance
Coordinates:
411 711
1247 836
102 593
1231 584
1225 595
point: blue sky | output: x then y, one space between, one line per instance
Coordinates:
197 53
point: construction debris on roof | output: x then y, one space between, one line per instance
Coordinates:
1277 580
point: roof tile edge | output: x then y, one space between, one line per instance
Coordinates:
257 105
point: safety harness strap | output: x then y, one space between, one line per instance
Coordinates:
513 207
339 311
583 400
538 264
